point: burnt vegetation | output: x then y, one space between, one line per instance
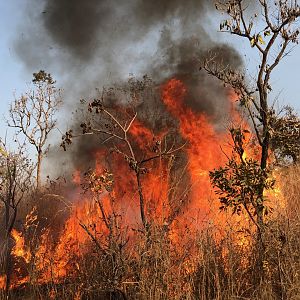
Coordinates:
165 196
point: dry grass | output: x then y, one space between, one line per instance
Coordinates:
157 268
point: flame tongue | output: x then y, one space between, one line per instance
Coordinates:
203 148
55 261
2 282
19 250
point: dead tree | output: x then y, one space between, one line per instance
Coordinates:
113 124
113 130
15 183
33 115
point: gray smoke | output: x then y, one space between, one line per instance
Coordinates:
75 25
88 44
82 27
99 41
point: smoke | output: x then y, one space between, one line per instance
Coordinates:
82 27
74 25
181 58
88 44
99 41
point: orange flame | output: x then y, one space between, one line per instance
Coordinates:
2 282
56 260
19 250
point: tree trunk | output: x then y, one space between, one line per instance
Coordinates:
38 169
8 267
260 239
9 224
142 200
263 165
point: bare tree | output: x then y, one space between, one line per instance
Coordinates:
272 33
15 183
33 115
110 126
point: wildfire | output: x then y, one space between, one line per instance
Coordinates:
19 250
203 148
2 282
277 202
91 215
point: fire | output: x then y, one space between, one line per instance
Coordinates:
2 282
54 263
92 213
277 202
203 148
19 250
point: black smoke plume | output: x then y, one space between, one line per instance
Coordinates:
88 44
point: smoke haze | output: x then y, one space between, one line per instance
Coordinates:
99 41
88 44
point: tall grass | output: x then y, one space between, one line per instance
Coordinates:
202 265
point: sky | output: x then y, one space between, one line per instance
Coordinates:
15 77
12 75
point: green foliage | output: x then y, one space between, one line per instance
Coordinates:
285 136
239 184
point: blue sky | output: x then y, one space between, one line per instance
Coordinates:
14 77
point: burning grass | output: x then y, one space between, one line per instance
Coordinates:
183 247
202 266
90 261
